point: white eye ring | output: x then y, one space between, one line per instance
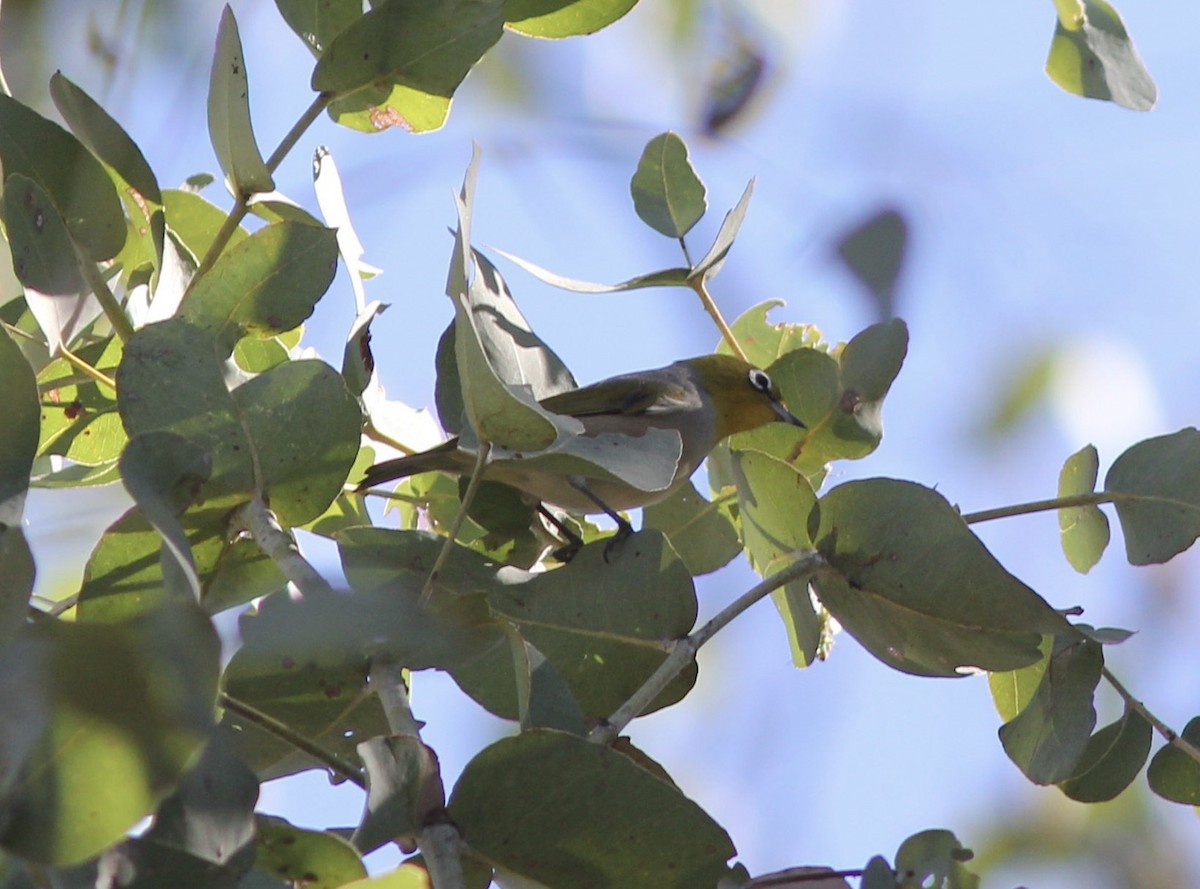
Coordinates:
760 381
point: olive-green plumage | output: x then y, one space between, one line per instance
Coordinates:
704 399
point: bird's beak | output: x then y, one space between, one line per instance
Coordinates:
786 416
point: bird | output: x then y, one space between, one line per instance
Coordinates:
705 399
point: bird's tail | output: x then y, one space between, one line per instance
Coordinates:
442 457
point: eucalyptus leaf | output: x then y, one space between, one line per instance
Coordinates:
404 786
677 277
229 125
1156 484
1112 759
563 18
874 252
19 432
667 193
702 532
43 253
1084 529
317 22
1092 55
711 262
1174 774
321 859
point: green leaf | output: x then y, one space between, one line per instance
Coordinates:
267 284
701 531
1012 690
400 64
102 721
294 429
318 859
874 253
807 625
163 473
918 589
43 254
594 622
1157 483
1047 739
1112 759
563 18
677 277
711 262
934 858
229 125
764 343
17 573
103 135
19 432
555 809
774 502
196 221
76 183
544 700
317 22
404 786
667 194
1084 529
1093 56
1175 774
79 415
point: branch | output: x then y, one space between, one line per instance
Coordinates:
439 841
697 284
1055 503
683 651
1169 734
116 316
285 733
256 518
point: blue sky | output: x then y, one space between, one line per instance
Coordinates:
1040 221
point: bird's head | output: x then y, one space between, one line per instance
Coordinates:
743 396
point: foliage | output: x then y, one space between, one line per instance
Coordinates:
155 340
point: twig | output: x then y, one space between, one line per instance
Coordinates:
112 309
439 841
256 518
697 284
460 518
92 373
1169 734
285 733
683 651
1003 512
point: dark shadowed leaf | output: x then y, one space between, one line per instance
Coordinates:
1112 759
874 253
317 22
1174 774
1160 514
667 194
701 531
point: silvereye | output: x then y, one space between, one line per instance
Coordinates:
704 399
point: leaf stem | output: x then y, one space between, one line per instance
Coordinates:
698 284
285 733
93 373
112 308
241 203
460 518
1092 499
256 518
683 651
1169 734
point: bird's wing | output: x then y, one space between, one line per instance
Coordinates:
626 395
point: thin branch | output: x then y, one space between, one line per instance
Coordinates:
284 732
92 373
1169 734
460 518
1055 503
116 316
683 651
241 203
256 518
697 284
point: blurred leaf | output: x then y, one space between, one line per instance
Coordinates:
400 63
317 22
702 532
1175 774
17 573
316 859
229 125
1084 529
555 809
736 77
711 262
667 194
1093 56
934 858
1157 488
267 284
918 589
19 432
102 721
42 250
562 18
774 502
596 624
1048 737
874 252
163 473
76 183
1112 759
404 786
1027 385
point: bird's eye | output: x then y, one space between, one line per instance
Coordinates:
760 381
